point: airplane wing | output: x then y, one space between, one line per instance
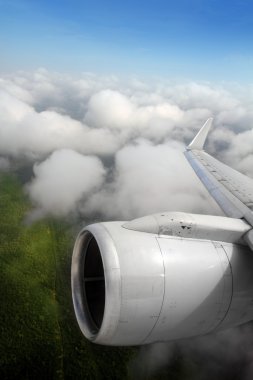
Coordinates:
232 190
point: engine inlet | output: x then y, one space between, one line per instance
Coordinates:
94 282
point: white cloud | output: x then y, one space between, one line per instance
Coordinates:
149 179
23 131
126 122
109 109
63 179
114 110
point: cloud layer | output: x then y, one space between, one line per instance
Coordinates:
135 133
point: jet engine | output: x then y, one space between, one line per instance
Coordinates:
162 277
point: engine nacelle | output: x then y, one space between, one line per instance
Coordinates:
132 287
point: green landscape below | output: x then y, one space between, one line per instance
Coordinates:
39 337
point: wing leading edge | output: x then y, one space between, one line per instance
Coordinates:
232 190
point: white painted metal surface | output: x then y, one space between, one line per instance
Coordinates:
194 226
241 308
161 287
198 289
232 190
199 140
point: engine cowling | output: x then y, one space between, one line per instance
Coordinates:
131 287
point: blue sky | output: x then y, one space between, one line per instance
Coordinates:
196 39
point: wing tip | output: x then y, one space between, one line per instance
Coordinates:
199 140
